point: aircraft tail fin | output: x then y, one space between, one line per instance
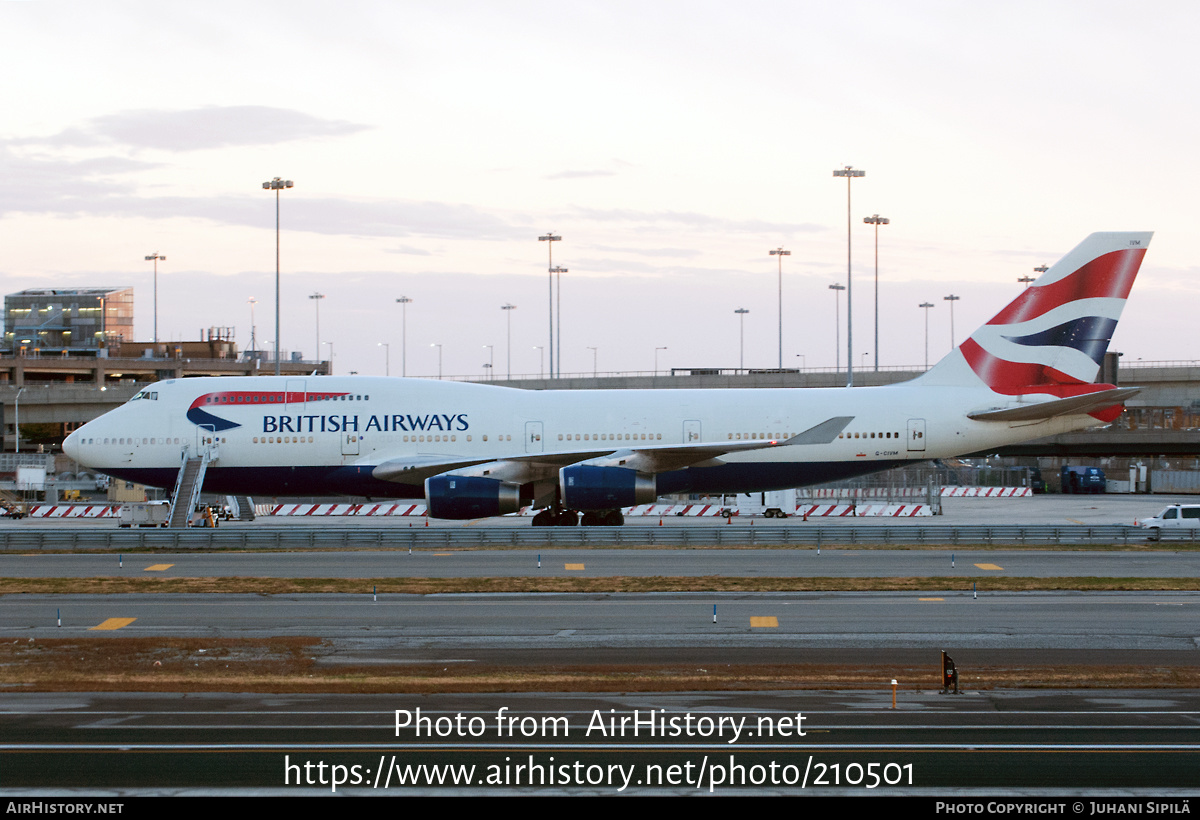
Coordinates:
1051 339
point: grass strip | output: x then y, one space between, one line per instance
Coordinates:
293 665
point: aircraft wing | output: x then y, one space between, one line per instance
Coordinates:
1075 405
650 458
415 469
677 456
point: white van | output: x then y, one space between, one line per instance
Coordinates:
1175 517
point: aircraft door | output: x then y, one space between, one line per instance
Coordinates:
691 431
916 435
349 443
206 438
294 397
533 437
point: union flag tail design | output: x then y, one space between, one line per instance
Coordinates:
1052 339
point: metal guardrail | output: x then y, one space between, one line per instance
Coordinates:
294 538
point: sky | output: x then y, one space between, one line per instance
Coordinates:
672 145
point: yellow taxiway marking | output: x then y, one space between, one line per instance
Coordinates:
442 553
931 599
764 620
158 567
114 623
989 566
1076 521
573 566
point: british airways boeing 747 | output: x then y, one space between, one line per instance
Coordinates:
474 450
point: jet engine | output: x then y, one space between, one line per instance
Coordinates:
587 487
458 496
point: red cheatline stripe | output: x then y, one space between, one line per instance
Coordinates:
247 397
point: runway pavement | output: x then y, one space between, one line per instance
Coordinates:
451 623
600 563
1115 746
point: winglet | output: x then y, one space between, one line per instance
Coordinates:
823 433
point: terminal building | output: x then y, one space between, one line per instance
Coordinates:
67 321
69 355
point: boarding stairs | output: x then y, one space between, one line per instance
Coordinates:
241 507
188 484
11 505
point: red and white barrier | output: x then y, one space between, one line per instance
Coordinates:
862 492
341 509
642 510
986 492
864 510
73 510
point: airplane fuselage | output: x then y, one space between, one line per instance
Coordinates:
474 450
328 435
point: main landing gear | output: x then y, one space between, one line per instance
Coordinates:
603 518
558 517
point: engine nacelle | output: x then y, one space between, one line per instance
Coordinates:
587 487
458 496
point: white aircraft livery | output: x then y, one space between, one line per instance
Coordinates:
476 450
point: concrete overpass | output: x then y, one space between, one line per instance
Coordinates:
1163 420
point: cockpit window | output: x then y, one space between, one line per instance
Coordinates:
149 395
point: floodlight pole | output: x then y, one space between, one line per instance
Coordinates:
951 299
849 173
742 339
550 239
317 297
278 185
558 271
927 306
155 256
404 300
876 220
387 356
253 341
780 252
508 309
837 330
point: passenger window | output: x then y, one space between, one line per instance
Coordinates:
1191 512
1169 515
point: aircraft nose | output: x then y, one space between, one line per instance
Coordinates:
71 444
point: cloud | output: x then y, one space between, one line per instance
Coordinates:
674 253
47 184
199 128
697 221
325 215
580 174
408 249
95 187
